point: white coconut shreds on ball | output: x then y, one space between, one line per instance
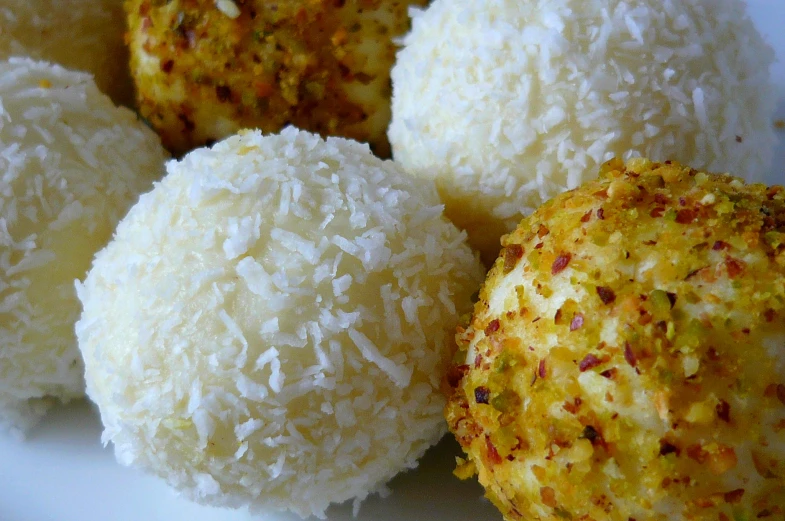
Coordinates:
71 164
507 102
269 325
84 35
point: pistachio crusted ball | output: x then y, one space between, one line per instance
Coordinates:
205 68
626 359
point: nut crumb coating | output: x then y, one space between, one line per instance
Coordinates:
206 69
626 358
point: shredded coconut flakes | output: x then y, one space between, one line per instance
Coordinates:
317 349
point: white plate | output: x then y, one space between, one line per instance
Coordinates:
61 473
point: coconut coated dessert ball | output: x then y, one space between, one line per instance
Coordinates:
205 69
506 103
84 35
270 324
626 359
72 164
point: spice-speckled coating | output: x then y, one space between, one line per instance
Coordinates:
626 359
205 69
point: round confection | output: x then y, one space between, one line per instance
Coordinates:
72 164
86 35
270 325
506 103
205 69
626 359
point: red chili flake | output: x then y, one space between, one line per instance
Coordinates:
720 245
657 212
773 191
455 374
601 214
769 314
694 272
735 267
667 447
572 406
723 411
223 92
629 355
493 454
482 394
538 246
512 254
557 316
661 199
696 453
650 243
682 201
586 217
610 374
734 496
686 216
713 354
493 326
577 322
739 139
187 123
591 434
671 298
477 361
542 231
548 497
542 369
560 263
167 66
589 362
190 37
606 294
781 393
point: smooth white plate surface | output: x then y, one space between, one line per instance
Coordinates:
61 473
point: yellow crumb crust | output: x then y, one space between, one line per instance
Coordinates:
205 69
626 357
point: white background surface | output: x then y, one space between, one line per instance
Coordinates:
61 473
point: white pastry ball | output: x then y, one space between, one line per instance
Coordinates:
270 324
71 164
507 102
84 35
